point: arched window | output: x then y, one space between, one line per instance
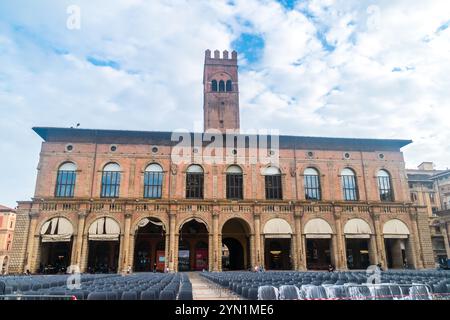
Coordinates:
214 85
234 182
153 177
272 177
312 184
384 186
229 86
194 182
221 86
110 181
65 180
349 186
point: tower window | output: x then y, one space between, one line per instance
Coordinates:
214 85
221 86
229 86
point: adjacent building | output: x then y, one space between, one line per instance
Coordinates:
109 199
431 188
7 225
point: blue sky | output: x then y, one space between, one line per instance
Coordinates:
349 68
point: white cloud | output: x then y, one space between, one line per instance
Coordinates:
299 85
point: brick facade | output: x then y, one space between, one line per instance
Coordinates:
224 219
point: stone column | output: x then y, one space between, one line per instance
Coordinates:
252 251
219 252
298 241
121 253
210 252
131 249
334 250
381 251
217 249
416 252
258 249
340 240
172 239
84 253
445 234
373 257
78 242
31 239
175 252
126 242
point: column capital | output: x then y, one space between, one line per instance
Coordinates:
128 215
82 214
215 214
172 214
298 214
375 215
33 214
413 214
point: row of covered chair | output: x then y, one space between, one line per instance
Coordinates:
142 286
336 285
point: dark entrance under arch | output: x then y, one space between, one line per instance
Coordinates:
318 253
149 253
278 254
55 257
232 255
235 245
193 247
103 256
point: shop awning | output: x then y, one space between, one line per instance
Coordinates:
56 230
395 229
277 228
104 229
318 229
358 229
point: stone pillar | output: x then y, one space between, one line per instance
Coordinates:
416 252
340 241
172 241
258 247
121 253
373 256
334 251
175 252
252 251
84 253
78 242
381 251
126 242
217 250
31 238
300 249
131 249
210 252
445 235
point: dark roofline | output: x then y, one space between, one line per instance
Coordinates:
443 173
51 134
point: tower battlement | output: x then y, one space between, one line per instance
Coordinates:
221 57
